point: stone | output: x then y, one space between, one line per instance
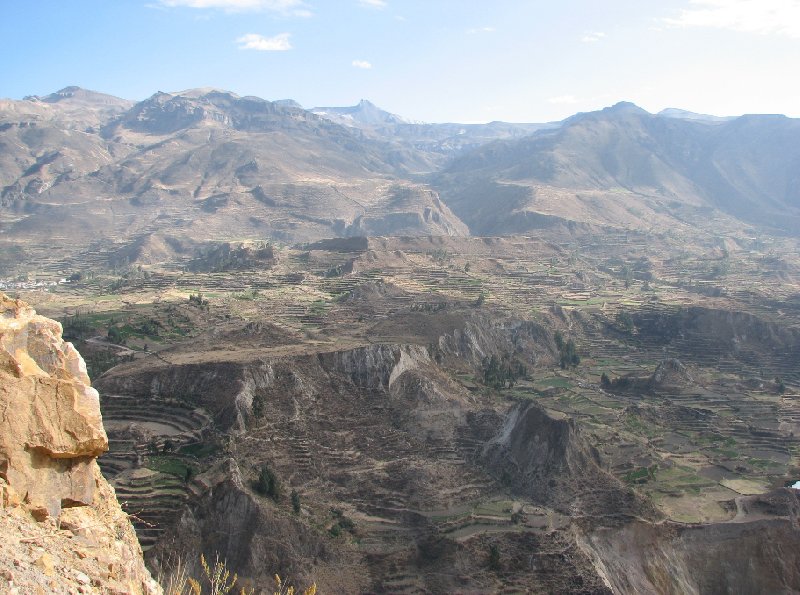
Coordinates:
9 498
46 563
51 433
52 428
40 513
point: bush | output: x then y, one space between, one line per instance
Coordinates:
497 372
343 523
568 354
559 339
219 581
268 484
259 405
493 561
625 321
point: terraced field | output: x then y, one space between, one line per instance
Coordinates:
687 387
152 456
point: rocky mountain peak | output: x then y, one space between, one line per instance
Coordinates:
625 105
682 114
291 103
79 96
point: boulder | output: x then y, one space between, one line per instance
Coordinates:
61 527
51 429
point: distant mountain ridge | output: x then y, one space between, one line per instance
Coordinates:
439 140
626 167
205 164
365 113
672 112
73 94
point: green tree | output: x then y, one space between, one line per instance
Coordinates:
559 339
268 484
568 355
625 320
493 560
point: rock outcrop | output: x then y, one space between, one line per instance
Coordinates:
61 527
756 552
545 455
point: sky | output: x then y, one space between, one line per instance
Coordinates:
428 60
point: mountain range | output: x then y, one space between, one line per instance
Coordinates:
624 167
78 167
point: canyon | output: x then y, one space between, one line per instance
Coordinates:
381 356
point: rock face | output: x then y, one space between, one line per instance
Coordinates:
51 429
545 456
756 552
51 432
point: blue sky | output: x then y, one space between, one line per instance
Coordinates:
434 60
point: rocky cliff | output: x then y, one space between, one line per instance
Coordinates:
61 527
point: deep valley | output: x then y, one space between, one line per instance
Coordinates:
386 358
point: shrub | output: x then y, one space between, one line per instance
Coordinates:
220 582
259 405
559 339
625 321
493 560
568 355
268 484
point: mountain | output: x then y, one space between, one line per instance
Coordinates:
77 96
364 113
83 169
438 141
624 167
203 162
682 114
71 108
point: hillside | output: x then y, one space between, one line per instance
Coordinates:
627 168
203 163
414 396
97 176
439 141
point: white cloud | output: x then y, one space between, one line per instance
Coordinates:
766 17
592 37
481 30
373 3
363 64
283 7
254 41
564 100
